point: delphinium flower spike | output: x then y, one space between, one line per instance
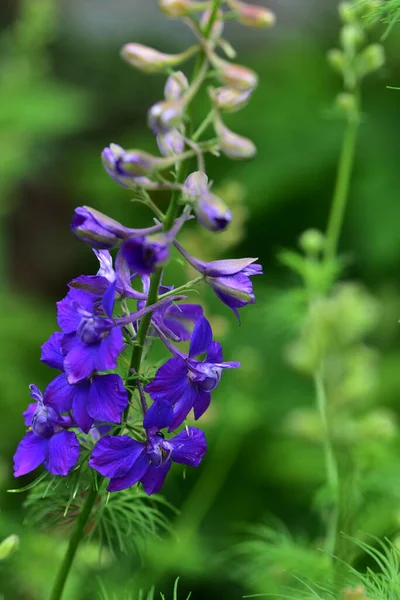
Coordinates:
109 320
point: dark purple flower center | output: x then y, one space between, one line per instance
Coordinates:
44 422
158 449
92 329
205 375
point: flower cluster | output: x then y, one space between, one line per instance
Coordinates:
125 307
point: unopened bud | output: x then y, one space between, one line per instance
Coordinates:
98 230
128 167
234 146
176 8
347 103
236 76
351 37
195 185
148 60
212 212
230 100
347 12
138 163
171 142
336 59
218 25
252 15
165 115
176 85
9 546
371 59
312 241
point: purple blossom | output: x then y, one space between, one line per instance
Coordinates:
48 441
126 461
120 278
100 398
230 279
91 342
145 254
186 382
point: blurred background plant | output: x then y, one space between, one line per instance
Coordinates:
64 96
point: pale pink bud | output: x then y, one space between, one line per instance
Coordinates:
165 115
236 76
234 146
148 60
230 100
254 16
176 8
175 86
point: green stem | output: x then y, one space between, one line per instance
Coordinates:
332 472
341 189
74 541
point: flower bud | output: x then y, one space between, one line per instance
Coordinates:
312 241
351 37
336 59
254 16
236 76
128 168
9 546
165 115
97 229
171 142
212 212
218 25
371 59
230 100
347 12
176 8
176 85
195 185
234 146
148 60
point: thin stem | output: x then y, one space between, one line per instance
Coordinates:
341 193
182 288
332 472
74 541
203 126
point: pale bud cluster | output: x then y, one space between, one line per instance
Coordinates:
168 118
355 59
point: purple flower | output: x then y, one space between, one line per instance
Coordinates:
145 254
186 382
48 441
100 398
91 342
97 229
120 278
230 279
126 461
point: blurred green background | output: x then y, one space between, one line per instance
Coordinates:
64 95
